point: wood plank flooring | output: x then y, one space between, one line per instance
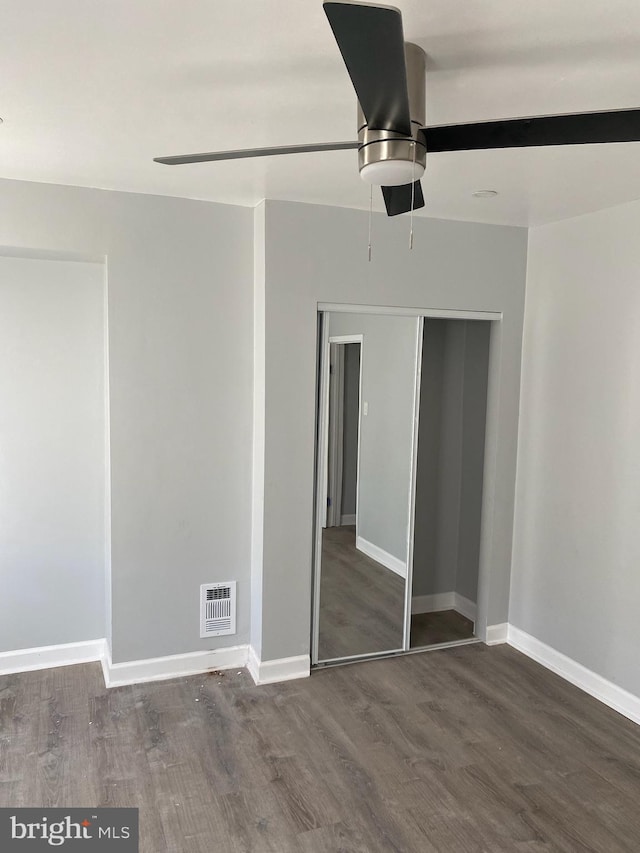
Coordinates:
465 750
361 601
441 626
362 605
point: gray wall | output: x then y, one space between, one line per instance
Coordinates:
426 577
476 367
451 437
319 254
576 584
350 428
180 306
450 456
52 452
386 432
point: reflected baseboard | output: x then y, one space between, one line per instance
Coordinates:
380 556
444 601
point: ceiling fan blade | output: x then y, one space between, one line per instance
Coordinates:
254 152
398 199
371 42
573 129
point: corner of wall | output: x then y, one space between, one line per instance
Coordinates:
108 615
258 441
283 669
518 450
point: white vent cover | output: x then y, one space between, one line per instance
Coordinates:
217 609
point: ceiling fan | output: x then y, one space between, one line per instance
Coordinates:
388 75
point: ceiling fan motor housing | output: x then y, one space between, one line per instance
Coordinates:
389 158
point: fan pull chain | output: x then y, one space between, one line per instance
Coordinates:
370 217
413 194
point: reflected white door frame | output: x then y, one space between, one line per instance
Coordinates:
336 434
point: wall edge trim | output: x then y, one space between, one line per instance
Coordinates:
465 606
280 669
49 657
173 666
381 556
431 603
575 673
496 634
444 601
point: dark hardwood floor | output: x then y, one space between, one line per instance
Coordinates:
465 749
362 605
441 626
361 601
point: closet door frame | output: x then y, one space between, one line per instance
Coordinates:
321 466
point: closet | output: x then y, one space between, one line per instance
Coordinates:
400 459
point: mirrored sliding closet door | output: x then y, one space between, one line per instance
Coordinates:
402 408
365 460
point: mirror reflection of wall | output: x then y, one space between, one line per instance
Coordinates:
455 363
364 543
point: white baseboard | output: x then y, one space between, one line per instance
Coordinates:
347 520
282 669
48 657
380 556
432 603
497 634
595 685
465 606
444 601
173 666
155 669
286 669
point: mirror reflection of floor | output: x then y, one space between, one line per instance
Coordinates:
442 626
361 601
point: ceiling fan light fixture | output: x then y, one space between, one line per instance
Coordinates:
388 75
391 173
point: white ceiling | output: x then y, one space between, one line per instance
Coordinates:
92 90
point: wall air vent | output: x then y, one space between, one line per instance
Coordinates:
217 609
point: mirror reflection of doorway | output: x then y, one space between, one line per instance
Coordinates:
363 549
344 416
353 585
362 600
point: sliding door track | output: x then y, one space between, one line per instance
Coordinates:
324 664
